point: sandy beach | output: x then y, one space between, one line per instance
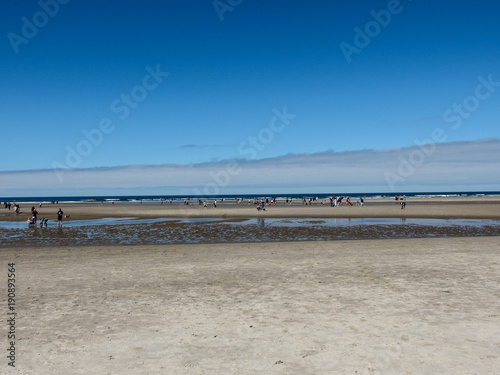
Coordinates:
476 207
279 306
414 306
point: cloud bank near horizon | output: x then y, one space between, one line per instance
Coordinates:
453 166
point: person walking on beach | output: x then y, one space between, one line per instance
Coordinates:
60 214
215 203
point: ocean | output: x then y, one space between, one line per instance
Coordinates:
181 198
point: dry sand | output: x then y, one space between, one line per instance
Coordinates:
416 306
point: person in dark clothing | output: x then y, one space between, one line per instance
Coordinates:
60 214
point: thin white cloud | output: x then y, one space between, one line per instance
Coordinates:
471 165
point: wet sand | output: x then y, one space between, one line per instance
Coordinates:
479 208
190 231
414 306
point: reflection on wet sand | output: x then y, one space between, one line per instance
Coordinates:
200 230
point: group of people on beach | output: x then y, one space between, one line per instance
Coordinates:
267 201
14 205
44 221
205 204
311 201
337 201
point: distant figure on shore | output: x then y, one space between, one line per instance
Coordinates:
261 206
205 204
215 203
339 201
60 214
403 205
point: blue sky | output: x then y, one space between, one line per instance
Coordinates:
230 73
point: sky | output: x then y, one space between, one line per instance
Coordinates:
239 96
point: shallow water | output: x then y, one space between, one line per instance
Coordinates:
336 222
103 221
129 231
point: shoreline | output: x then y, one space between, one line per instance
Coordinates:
466 208
280 200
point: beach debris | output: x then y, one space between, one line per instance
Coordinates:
278 362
